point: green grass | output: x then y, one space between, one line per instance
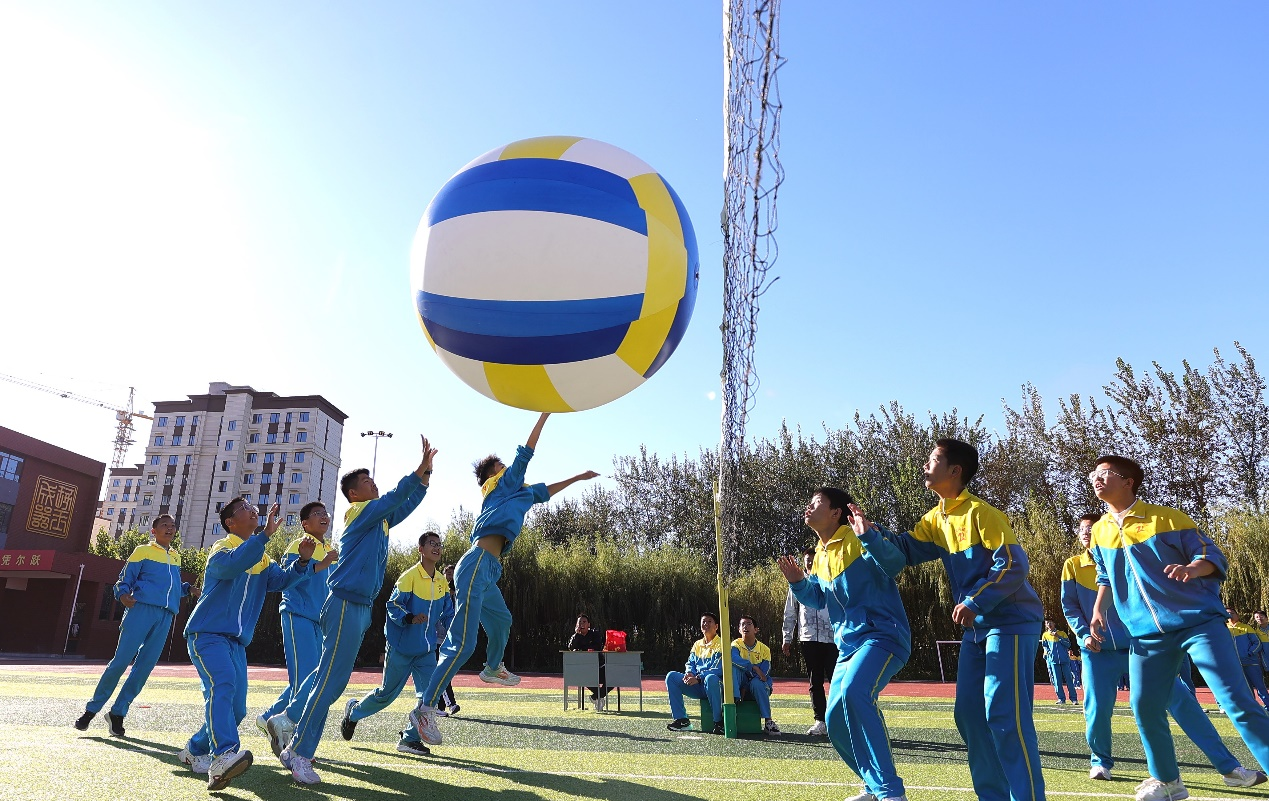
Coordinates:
517 745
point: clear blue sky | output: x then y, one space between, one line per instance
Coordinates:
977 196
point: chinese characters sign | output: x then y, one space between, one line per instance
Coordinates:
26 560
52 507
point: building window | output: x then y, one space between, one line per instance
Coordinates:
172 459
257 419
286 437
161 422
303 417
224 467
180 420
268 458
301 436
272 438
266 478
251 458
215 530
223 487
110 512
275 418
299 457
282 458
253 438
233 425
219 506
125 496
166 500
176 439
249 478
297 478
117 483
290 519
148 500
262 520
246 496
114 496
295 498
194 422
149 480
229 444
127 483
189 458
154 460
158 441
167 481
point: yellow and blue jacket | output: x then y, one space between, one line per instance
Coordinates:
363 547
706 658
1079 599
743 661
507 500
416 594
1130 560
855 580
985 565
153 576
1057 647
238 575
1247 640
306 598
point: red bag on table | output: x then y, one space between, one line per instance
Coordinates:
614 640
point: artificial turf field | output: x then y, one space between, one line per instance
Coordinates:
518 744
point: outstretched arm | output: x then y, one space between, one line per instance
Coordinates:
551 489
532 442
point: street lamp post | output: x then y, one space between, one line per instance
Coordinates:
377 435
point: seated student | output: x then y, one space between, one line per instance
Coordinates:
420 605
150 589
701 677
587 639
1247 640
751 669
1057 657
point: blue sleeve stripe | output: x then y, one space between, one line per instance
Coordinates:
531 349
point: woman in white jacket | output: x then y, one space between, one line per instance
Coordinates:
815 635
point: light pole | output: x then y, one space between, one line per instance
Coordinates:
376 435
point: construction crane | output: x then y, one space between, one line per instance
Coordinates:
123 417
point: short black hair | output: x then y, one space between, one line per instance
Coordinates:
307 509
424 537
484 468
1091 517
711 616
160 517
227 511
1126 467
350 478
837 499
960 454
743 618
1260 612
584 616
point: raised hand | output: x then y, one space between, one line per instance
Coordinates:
790 568
275 520
425 466
306 548
858 523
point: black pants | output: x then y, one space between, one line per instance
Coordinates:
447 697
820 658
598 692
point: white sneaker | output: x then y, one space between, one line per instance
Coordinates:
285 757
226 767
818 730
199 763
1154 790
499 675
280 729
424 721
302 770
262 723
771 727
1099 772
863 797
1242 777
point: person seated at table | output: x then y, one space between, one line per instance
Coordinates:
587 639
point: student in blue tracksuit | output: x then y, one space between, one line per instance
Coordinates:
1250 651
1163 577
419 609
702 677
1057 657
853 576
354 582
220 628
1261 622
150 589
1106 661
507 499
1001 613
301 608
751 670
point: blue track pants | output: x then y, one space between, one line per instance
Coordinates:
1101 680
397 667
478 602
856 727
302 645
1256 680
995 685
710 687
221 663
1152 665
142 635
1060 677
754 689
344 623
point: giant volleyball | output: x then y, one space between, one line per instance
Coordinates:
555 274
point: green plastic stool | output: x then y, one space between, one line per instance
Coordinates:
748 721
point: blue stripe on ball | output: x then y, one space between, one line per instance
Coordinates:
563 187
527 318
528 350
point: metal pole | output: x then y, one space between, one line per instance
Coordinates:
74 601
374 461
